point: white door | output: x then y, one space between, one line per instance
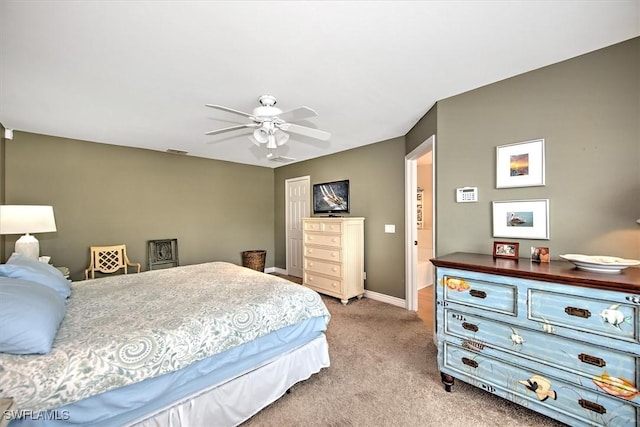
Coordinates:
297 201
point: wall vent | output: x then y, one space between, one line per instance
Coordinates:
174 151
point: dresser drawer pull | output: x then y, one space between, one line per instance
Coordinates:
592 360
477 294
469 326
578 312
634 299
470 362
592 406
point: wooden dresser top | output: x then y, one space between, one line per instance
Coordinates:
555 271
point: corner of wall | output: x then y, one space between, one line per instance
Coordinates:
2 183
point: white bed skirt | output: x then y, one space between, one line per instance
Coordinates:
232 402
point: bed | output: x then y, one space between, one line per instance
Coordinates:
206 344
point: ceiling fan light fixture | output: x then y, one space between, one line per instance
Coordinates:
281 137
261 135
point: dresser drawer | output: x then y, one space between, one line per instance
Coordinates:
327 268
587 360
496 297
585 314
323 239
325 254
333 286
530 388
330 227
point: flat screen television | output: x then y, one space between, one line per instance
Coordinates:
331 198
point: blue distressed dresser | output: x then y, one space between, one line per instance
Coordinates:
560 341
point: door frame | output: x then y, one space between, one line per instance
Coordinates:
411 228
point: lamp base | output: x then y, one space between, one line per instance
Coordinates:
28 246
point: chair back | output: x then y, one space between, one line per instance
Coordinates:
108 259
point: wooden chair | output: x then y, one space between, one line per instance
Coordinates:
163 253
109 259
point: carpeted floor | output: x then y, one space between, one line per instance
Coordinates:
383 373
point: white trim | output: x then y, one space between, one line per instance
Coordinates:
411 227
276 270
399 302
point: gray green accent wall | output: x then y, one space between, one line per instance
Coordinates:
421 131
105 194
376 176
588 111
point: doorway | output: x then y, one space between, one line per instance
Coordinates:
415 250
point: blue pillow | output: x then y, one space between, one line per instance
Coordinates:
30 315
20 267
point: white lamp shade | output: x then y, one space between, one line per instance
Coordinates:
22 219
261 135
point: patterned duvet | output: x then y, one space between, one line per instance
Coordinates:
123 329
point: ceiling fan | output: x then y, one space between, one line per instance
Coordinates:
270 123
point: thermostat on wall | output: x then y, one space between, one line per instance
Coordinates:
466 194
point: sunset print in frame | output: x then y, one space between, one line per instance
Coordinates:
520 164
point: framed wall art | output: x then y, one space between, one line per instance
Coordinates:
521 219
508 250
520 164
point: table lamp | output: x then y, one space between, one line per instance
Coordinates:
19 219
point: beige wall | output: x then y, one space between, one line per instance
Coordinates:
105 194
587 109
376 176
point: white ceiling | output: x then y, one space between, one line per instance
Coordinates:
140 73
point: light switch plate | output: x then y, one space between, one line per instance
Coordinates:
389 228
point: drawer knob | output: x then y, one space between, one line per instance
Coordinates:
477 294
469 362
578 312
592 360
334 284
310 264
592 406
334 269
470 327
334 240
334 254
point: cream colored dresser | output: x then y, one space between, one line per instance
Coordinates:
334 256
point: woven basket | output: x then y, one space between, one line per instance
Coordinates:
254 260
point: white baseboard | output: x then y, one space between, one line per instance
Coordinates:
399 302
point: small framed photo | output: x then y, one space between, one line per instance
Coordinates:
506 250
520 164
540 254
521 219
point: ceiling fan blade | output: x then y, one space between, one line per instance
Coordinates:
229 129
306 131
230 110
297 114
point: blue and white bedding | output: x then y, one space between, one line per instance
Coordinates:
122 330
